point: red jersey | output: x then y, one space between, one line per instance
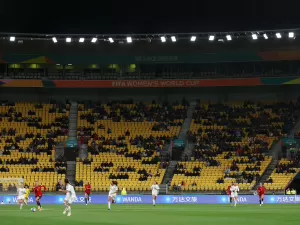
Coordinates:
228 190
261 191
38 190
87 189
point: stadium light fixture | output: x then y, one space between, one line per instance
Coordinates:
211 38
193 38
111 40
278 35
81 40
68 39
129 40
163 39
173 38
12 38
94 40
291 34
54 39
228 37
254 36
266 36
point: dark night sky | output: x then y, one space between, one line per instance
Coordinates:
146 16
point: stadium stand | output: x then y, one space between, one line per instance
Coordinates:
28 134
231 140
284 173
125 141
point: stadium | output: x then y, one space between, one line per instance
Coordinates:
193 112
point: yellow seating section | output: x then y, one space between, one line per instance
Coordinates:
281 180
49 179
22 128
207 181
100 181
135 128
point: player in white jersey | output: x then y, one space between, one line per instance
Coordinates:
21 195
155 191
70 197
112 193
235 193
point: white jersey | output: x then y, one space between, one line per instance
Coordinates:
155 189
234 191
21 193
70 195
113 190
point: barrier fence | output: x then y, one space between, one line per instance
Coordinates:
162 199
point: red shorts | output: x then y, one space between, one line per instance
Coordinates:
40 196
87 193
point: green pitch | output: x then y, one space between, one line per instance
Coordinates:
147 214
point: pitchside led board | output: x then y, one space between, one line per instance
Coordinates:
163 199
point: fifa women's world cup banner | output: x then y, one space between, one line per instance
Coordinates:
162 199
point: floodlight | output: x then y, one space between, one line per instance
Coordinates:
111 40
266 36
193 38
173 38
278 35
54 39
228 37
254 36
163 39
94 40
291 34
12 38
129 39
81 40
211 37
68 39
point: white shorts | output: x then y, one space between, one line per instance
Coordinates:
69 201
113 196
21 197
154 194
234 195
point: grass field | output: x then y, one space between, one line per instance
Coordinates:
147 214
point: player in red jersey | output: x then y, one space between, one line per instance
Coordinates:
87 192
229 193
261 190
38 194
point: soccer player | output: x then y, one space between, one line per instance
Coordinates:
155 190
261 190
87 192
234 193
70 197
26 195
229 193
21 195
38 194
112 193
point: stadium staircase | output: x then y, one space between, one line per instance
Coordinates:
73 120
169 172
275 153
182 136
185 128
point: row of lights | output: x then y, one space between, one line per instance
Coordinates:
173 38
